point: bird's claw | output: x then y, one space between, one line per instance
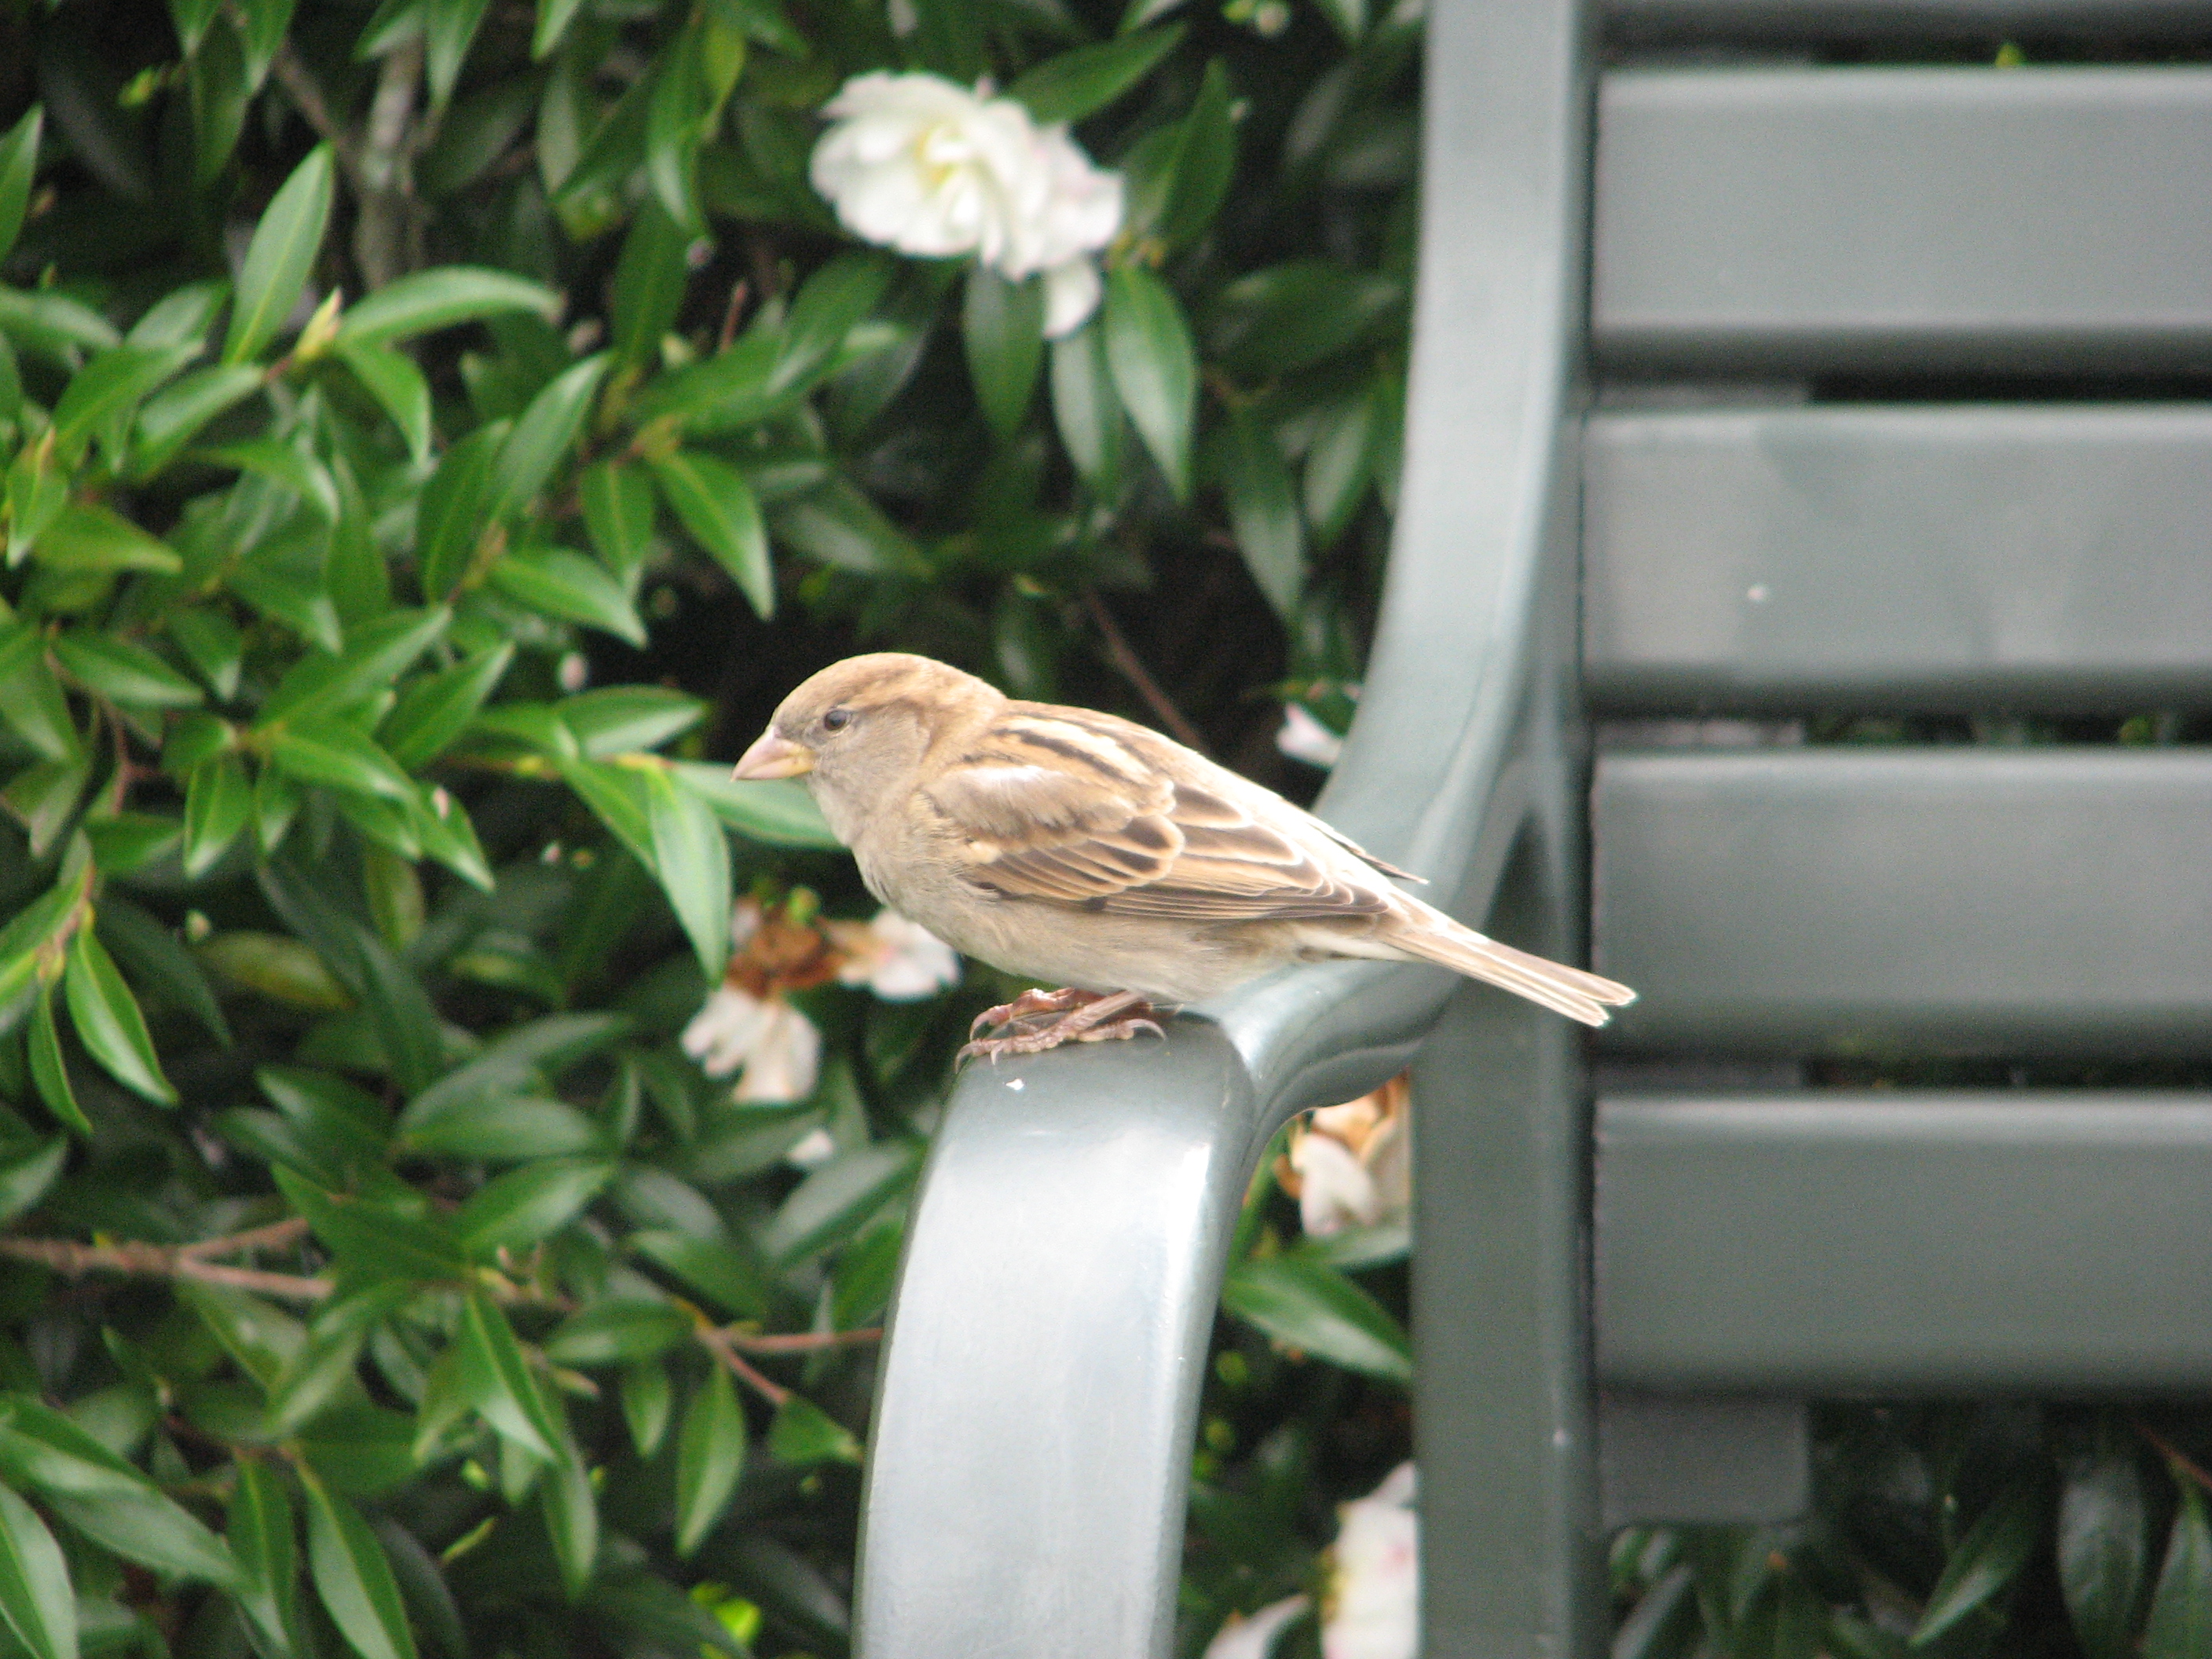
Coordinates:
1082 1016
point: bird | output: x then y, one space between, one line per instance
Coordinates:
1091 854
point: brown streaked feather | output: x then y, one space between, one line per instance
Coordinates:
1089 811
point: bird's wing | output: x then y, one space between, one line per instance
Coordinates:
1071 808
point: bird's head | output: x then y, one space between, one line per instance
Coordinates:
858 730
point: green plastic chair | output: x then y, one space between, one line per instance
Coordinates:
1619 1306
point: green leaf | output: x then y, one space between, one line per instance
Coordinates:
26 1172
103 1497
841 526
1155 369
624 718
1003 325
618 1330
353 1578
1347 17
1986 1561
617 502
830 303
19 163
649 283
712 501
543 436
1292 316
436 709
82 537
710 1456
279 257
502 1386
213 645
48 1071
109 384
502 1129
129 841
374 1239
439 298
218 801
217 88
1340 466
617 796
259 1528
114 668
838 1199
449 26
452 512
52 325
45 798
517 1209
648 1403
568 586
391 378
2180 1622
173 417
108 1022
2103 1526
553 17
1205 161
261 1337
781 813
804 1434
1263 509
1305 1305
31 700
572 1520
375 655
1072 85
731 389
692 858
35 1583
1085 407
331 752
708 1266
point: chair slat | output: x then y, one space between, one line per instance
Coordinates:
1928 557
1765 20
1804 219
1905 1243
1852 900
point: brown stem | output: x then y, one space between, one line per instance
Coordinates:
735 309
717 1342
1123 657
802 1341
380 238
306 94
66 1255
2173 1454
274 1236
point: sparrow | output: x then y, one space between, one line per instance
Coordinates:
1087 853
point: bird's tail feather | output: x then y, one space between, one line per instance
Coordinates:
1435 937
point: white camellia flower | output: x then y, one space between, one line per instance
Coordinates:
1353 1163
921 164
1254 1637
899 961
1373 1606
1303 738
778 1047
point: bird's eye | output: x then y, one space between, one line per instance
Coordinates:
836 719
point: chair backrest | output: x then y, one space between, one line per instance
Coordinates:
1903 417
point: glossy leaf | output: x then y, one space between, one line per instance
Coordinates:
649 283
570 587
572 1520
707 1266
1002 324
1317 1310
617 503
692 858
617 1330
49 1070
436 709
1205 161
781 814
426 301
803 1434
31 700
712 501
279 257
1986 1562
1154 366
543 436
19 163
391 378
218 801
2180 1622
1072 85
1085 408
836 1200
647 1403
123 671
107 1020
27 1171
710 1455
1263 509
111 385
353 1578
81 538
34 1582
2102 1549
259 1528
343 756
173 417
503 1389
453 510
515 1210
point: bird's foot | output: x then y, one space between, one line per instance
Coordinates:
1038 1020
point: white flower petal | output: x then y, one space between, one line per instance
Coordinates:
816 1148
786 1058
1254 1637
899 961
1071 295
723 1033
1303 738
1375 1582
1335 1189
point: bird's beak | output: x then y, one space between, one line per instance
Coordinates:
773 757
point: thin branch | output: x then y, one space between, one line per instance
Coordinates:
733 312
1123 657
380 234
718 1343
306 94
802 1341
2181 1463
66 1255
277 1236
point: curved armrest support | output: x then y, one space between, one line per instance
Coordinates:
1030 1455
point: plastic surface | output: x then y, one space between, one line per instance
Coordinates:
1854 900
1906 1243
1036 1405
2030 219
1844 20
1949 556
